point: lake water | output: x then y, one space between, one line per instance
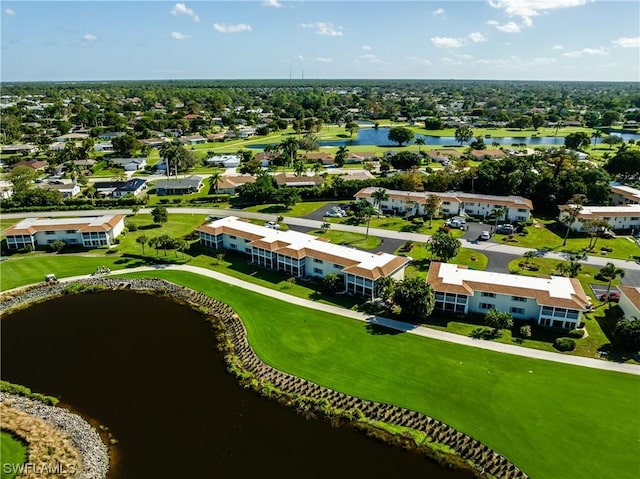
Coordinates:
379 137
148 368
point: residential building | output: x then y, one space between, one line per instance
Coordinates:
554 301
182 186
15 149
302 255
630 301
110 135
6 190
623 217
118 189
72 137
130 164
288 179
86 231
106 146
624 195
443 155
228 185
193 140
67 190
453 203
480 155
36 165
224 161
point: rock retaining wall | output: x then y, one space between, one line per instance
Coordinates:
484 458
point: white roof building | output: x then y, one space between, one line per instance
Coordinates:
623 217
624 195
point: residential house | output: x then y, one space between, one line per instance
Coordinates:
19 149
228 185
6 190
301 255
354 175
110 135
58 146
224 161
153 142
289 179
36 165
88 231
182 186
480 155
105 146
454 203
443 155
193 140
67 190
72 137
360 157
554 301
630 301
624 195
216 136
622 217
323 157
130 164
118 189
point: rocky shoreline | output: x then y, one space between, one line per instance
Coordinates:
93 453
244 362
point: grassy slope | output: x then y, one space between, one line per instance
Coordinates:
12 451
552 420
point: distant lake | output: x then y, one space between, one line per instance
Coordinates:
379 137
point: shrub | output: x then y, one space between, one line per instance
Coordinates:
417 221
57 246
525 331
534 267
576 333
564 344
627 334
130 226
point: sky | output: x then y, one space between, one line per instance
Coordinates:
552 40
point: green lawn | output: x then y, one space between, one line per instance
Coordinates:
422 258
13 453
398 223
299 210
357 240
552 420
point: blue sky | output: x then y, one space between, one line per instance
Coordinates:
476 39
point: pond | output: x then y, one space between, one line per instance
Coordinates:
379 137
148 368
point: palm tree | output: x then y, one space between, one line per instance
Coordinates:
420 142
379 196
317 168
595 135
290 148
497 213
432 206
214 180
341 156
572 212
563 268
142 240
299 168
369 211
610 271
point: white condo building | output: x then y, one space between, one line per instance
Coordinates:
88 232
553 301
302 255
624 195
453 203
623 217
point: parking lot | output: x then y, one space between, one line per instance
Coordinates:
600 290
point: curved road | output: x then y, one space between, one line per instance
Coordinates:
390 323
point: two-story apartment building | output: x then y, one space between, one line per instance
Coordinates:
624 195
621 217
453 203
302 255
630 301
553 301
88 232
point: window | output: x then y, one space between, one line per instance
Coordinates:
317 270
247 250
486 306
232 237
337 266
446 202
517 310
521 210
50 232
316 260
232 246
518 298
606 218
246 241
487 295
70 231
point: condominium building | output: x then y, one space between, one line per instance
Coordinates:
622 217
302 255
86 231
553 301
624 195
630 301
453 203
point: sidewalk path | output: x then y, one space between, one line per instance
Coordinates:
393 324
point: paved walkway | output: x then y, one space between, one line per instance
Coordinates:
393 324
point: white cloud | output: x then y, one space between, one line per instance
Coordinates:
323 28
271 3
541 61
239 28
10 11
446 42
89 37
322 60
439 11
299 57
182 9
586 51
419 61
527 9
626 42
179 36
369 58
477 37
510 27
366 48
557 47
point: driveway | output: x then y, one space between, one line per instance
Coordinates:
318 215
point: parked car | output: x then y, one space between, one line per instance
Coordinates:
505 229
273 225
485 235
614 296
334 214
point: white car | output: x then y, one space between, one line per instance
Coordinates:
273 225
485 235
334 214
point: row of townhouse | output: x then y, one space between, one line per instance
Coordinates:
453 203
553 301
302 255
88 232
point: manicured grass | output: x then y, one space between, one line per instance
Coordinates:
398 223
552 420
178 226
357 240
13 453
6 223
422 258
300 209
